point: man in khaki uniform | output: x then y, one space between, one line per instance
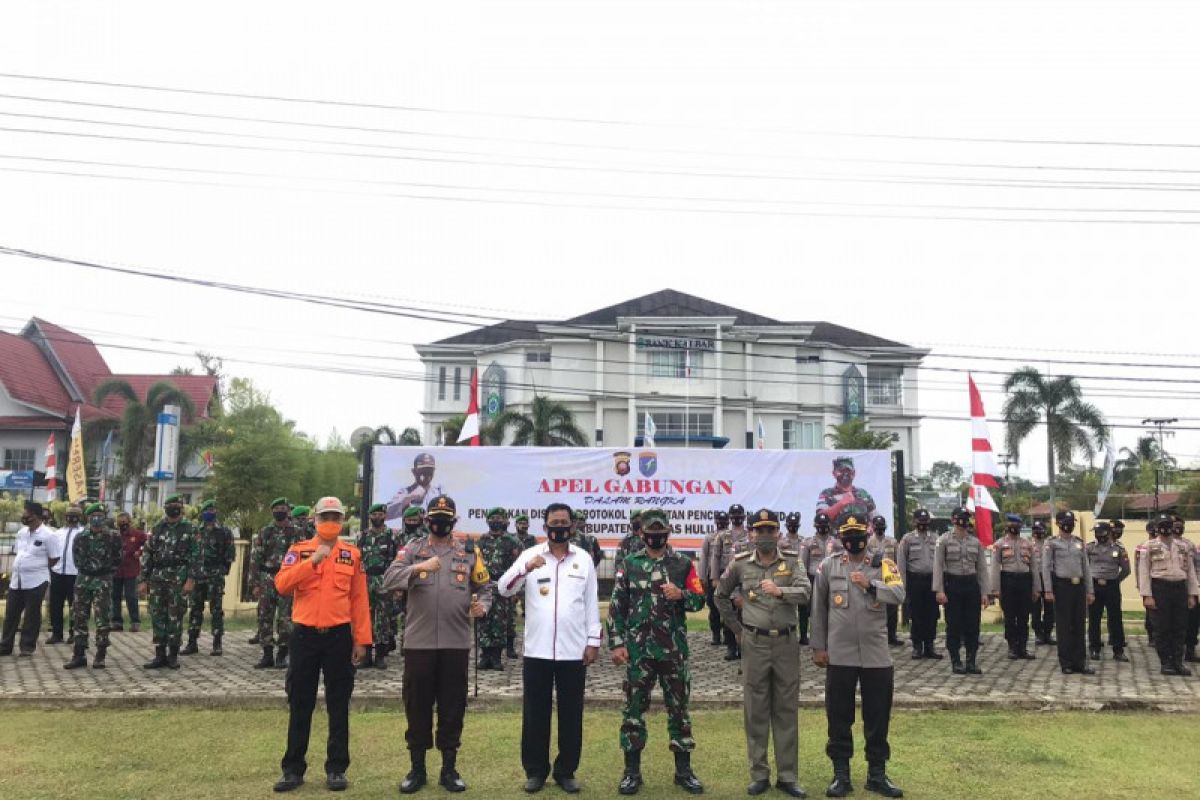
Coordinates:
1167 582
960 581
728 544
1067 574
1013 584
709 575
773 584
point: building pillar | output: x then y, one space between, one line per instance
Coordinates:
631 423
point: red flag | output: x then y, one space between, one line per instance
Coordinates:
51 468
470 428
983 468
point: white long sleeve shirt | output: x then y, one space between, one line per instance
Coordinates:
66 548
33 552
562 610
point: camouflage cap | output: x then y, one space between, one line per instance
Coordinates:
96 508
280 501
655 520
443 506
635 514
377 507
412 511
207 504
765 518
300 511
521 518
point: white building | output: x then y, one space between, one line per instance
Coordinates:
681 357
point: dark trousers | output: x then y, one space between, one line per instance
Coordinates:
311 654
1108 601
125 589
893 616
434 677
923 608
876 687
963 610
1170 618
714 616
25 603
802 619
1043 617
1016 601
1193 628
1070 609
62 590
543 679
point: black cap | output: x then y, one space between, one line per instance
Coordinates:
736 510
1064 516
1102 526
960 513
442 506
1038 525
793 517
878 522
821 518
1166 522
921 515
1116 523
721 515
765 518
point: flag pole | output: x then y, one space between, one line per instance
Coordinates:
687 396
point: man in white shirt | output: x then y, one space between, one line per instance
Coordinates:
35 550
63 573
562 637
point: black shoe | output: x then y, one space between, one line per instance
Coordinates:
381 659
840 786
1068 670
758 787
369 658
791 788
1085 670
336 782
716 640
192 648
804 639
54 639
971 668
281 660
631 781
6 651
79 659
416 777
568 784
1026 655
217 650
534 784
1180 669
268 658
1119 654
1094 655
101 653
160 659
934 654
253 639
116 627
1168 669
732 654
1191 656
288 782
918 652
880 783
173 657
1013 655
450 780
684 776
957 667
894 642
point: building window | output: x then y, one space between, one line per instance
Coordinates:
799 434
671 423
19 460
441 383
537 357
885 386
457 383
675 363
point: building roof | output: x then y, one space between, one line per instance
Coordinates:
1145 502
78 355
199 388
667 303
28 377
39 423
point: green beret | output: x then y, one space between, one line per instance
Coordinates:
279 501
497 510
522 518
377 507
412 511
95 508
843 461
175 498
207 504
655 519
301 511
635 514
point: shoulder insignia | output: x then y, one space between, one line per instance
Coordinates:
742 555
789 553
891 575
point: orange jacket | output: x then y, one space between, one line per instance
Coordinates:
333 592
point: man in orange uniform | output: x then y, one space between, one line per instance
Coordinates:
331 632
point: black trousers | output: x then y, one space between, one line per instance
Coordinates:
714 616
1043 617
435 677
62 590
543 679
923 607
1170 618
1016 601
125 589
26 603
802 619
1108 601
1193 628
1070 609
876 684
311 654
963 611
893 617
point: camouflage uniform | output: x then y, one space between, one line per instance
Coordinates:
526 540
654 630
216 557
499 551
378 549
170 557
97 555
396 621
589 544
266 556
862 505
632 543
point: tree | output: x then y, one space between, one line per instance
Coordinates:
1145 456
945 474
410 437
137 425
1071 424
854 434
549 423
451 427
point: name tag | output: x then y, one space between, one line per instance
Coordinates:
543 580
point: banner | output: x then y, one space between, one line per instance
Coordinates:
76 470
608 483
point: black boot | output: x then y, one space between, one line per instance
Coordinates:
253 639
101 652
369 658
731 652
1013 655
840 786
631 781
510 647
1190 656
381 654
281 660
879 782
684 776
497 660
1119 654
192 648
931 653
416 777
956 664
160 658
79 659
1094 653
971 668
918 651
173 657
1180 669
450 780
216 648
268 658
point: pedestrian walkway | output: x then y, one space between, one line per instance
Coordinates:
230 680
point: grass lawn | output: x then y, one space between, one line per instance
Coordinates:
235 754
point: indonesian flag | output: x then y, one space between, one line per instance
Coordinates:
983 468
51 468
470 428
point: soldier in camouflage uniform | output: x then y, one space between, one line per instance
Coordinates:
499 551
97 553
527 541
844 497
266 556
170 562
647 633
378 547
584 540
632 543
216 557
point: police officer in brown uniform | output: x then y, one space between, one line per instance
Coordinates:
1065 570
914 557
772 583
1167 581
1043 609
709 575
1012 582
1110 565
729 543
849 639
448 588
960 581
791 539
882 543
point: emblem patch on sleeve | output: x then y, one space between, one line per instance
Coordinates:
289 559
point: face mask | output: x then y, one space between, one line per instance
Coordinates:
279 516
441 527
377 522
522 529
1013 530
1067 527
409 527
822 530
209 516
123 526
558 534
765 544
1102 536
329 530
737 521
636 526
96 522
1116 534
174 510
655 541
72 519
854 543
496 527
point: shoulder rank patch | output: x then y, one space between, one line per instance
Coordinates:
743 554
891 575
289 559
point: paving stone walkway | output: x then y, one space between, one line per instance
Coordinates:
229 680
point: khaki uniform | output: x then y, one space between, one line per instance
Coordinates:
770 652
709 575
960 571
1167 573
1012 579
1066 572
914 557
1110 565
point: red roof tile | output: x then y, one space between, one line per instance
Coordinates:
34 423
1145 502
28 377
77 354
200 388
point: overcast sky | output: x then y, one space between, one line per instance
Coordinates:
754 153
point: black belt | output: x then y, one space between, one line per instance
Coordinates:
322 631
769 631
1073 581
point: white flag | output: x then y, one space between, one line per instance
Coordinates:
1107 481
651 430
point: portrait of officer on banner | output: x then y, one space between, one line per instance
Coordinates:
844 497
416 493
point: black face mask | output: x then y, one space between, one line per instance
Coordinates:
123 526
497 527
655 541
1013 530
377 522
822 530
96 522
737 521
441 527
174 511
523 529
279 516
1067 527
558 533
854 543
72 519
1116 534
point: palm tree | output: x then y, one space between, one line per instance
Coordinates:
451 427
853 434
137 425
1071 424
410 437
1147 453
549 423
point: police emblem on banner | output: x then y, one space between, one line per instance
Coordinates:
621 462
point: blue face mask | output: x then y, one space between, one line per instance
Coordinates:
209 516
